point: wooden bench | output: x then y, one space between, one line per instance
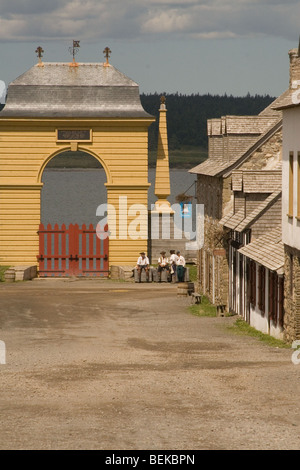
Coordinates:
221 310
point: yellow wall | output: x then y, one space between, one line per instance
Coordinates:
26 146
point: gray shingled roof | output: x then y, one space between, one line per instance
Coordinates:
245 125
286 100
220 166
275 105
260 209
267 250
58 90
257 181
237 221
233 219
262 181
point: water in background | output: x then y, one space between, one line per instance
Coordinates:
73 195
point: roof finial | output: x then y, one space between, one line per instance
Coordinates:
73 51
107 53
39 51
162 102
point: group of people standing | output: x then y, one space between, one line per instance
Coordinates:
173 265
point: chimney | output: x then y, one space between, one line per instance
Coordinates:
294 65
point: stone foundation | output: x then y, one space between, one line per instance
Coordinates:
20 273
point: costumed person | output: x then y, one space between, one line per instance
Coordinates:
180 267
143 263
163 263
173 265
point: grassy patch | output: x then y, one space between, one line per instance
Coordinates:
192 271
205 309
241 327
2 271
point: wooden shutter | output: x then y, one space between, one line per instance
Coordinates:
291 184
261 289
252 282
280 300
273 297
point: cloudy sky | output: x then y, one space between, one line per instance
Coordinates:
185 46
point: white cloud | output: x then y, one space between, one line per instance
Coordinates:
90 20
167 21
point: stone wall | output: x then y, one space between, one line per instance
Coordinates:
267 156
213 275
213 264
292 294
209 193
227 199
214 193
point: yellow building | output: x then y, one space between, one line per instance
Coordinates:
58 107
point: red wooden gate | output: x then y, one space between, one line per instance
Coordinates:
73 251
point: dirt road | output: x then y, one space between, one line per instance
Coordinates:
109 365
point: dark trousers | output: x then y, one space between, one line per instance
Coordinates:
180 273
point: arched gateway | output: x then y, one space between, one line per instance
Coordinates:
57 107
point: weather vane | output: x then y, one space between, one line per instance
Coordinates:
107 53
73 51
39 51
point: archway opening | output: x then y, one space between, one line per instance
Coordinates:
69 241
73 188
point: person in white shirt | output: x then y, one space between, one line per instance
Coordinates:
163 263
173 265
143 263
180 262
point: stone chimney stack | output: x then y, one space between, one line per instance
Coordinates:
294 65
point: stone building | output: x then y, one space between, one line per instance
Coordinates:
263 285
234 142
255 249
290 107
251 256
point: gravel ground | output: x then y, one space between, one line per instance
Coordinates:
111 365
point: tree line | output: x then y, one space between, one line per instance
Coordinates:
187 114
